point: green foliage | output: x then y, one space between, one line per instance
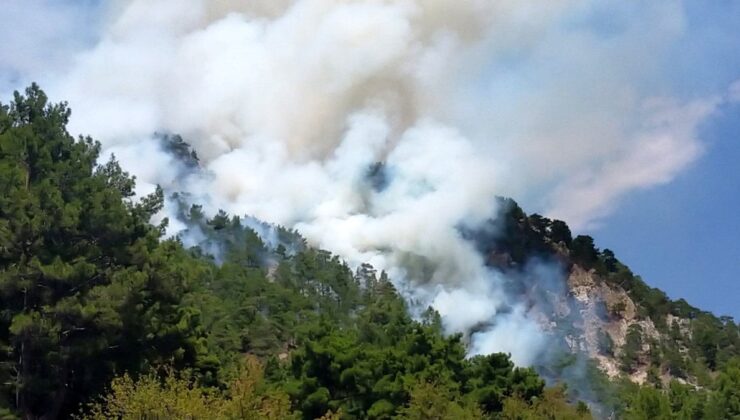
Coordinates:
93 300
172 395
513 237
430 402
724 402
610 261
86 286
560 233
631 349
624 399
550 405
177 147
584 252
347 341
649 403
605 343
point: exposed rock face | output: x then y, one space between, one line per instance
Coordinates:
594 306
605 310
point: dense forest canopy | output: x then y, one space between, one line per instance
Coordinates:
101 316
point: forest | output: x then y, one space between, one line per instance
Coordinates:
104 316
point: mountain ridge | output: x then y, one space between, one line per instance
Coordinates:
612 300
102 315
630 330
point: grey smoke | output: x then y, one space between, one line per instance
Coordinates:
288 103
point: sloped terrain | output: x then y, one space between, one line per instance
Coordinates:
102 316
600 309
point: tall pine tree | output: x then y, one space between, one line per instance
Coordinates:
86 287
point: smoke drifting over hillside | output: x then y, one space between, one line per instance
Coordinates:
290 103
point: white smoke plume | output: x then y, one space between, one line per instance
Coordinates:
288 103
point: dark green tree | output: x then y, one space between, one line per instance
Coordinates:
724 403
86 287
632 348
583 251
560 232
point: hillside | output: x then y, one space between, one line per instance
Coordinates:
628 330
606 311
102 316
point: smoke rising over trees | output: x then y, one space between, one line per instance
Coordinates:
92 294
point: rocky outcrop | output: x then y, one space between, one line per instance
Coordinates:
606 312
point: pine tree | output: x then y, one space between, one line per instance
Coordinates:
86 287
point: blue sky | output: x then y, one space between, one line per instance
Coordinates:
684 237
681 236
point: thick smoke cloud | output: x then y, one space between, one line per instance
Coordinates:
289 103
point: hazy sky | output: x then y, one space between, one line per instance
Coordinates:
669 211
684 237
